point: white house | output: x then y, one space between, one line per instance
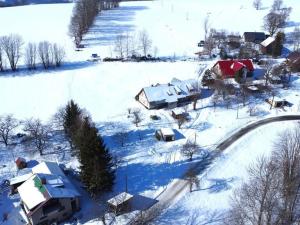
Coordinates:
169 95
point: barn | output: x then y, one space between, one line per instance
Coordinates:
171 95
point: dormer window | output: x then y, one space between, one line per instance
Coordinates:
169 92
177 90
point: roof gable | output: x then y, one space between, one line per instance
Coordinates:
268 41
228 68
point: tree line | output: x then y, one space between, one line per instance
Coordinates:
271 195
84 13
45 53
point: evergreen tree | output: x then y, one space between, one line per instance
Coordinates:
96 163
278 44
72 120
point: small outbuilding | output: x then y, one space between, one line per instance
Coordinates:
165 134
179 114
267 45
120 203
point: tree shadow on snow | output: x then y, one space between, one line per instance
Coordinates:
143 177
67 66
110 24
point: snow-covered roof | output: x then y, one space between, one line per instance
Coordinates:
170 92
178 111
20 179
267 42
32 194
47 168
119 199
167 131
47 181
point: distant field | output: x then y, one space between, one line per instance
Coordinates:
9 3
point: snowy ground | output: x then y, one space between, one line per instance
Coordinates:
107 90
208 203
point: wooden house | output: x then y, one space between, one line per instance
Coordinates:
120 203
267 45
254 37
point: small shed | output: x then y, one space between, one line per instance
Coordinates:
165 134
267 45
179 114
21 163
120 203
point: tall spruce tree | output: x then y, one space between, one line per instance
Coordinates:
278 44
96 162
72 120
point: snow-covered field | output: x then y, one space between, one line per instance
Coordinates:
107 90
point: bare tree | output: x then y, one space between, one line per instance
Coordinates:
1 56
137 117
180 121
120 45
58 54
38 132
12 45
7 126
275 20
287 157
145 42
277 5
58 119
256 201
206 26
209 43
31 56
257 4
193 180
45 54
296 38
121 137
189 149
268 67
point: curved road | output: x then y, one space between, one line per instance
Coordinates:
169 195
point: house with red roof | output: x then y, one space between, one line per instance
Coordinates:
241 68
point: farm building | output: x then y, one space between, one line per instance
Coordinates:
47 196
232 68
293 60
266 46
120 203
254 37
169 95
165 134
179 114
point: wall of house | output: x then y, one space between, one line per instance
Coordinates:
217 71
38 217
143 99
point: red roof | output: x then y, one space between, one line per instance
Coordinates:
228 68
